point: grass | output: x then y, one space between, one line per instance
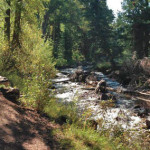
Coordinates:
74 137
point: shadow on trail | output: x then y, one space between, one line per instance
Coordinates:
24 129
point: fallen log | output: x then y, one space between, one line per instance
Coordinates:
145 97
59 81
144 102
138 94
93 88
87 88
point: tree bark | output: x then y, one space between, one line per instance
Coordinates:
7 23
46 26
146 41
17 25
138 40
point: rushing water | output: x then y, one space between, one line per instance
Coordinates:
123 113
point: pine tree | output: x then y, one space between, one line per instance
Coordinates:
137 13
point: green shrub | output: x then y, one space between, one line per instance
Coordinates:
77 57
103 66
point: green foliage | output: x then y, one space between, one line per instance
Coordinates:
103 66
77 56
56 109
35 92
30 64
99 17
107 104
136 17
61 61
83 34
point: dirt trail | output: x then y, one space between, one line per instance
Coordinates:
22 129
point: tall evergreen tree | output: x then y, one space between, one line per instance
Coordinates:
100 18
137 14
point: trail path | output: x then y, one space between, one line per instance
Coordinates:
22 129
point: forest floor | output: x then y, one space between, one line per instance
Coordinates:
24 129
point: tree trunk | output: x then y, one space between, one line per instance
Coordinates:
45 26
7 23
17 25
56 37
146 41
138 41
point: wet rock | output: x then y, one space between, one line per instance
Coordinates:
4 81
78 76
148 122
73 77
11 93
137 107
91 79
141 111
107 96
101 87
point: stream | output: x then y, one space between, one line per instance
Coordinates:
123 112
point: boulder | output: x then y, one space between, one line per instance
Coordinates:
11 93
4 81
73 77
101 87
141 111
78 76
91 79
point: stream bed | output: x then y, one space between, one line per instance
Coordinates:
123 113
